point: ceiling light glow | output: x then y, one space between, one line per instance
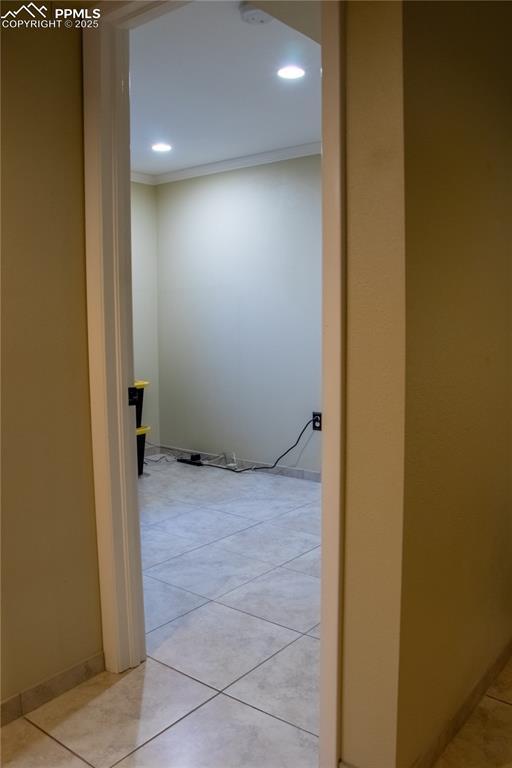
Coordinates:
291 72
161 146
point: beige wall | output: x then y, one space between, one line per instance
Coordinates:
145 300
418 637
457 571
50 599
239 306
375 382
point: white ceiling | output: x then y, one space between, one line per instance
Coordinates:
205 81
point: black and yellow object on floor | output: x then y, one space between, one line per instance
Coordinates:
140 385
141 431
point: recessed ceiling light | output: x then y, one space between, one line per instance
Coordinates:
161 147
291 72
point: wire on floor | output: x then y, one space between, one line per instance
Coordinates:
170 458
164 457
265 466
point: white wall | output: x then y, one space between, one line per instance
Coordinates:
239 305
145 314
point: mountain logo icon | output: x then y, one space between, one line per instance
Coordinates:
33 10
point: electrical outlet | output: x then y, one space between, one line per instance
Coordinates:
317 421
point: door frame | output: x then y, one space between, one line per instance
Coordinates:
110 340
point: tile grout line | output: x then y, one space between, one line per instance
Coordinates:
269 621
217 601
181 615
60 743
163 730
199 508
213 599
222 690
233 682
253 578
188 591
245 613
269 714
193 506
295 639
274 568
234 552
185 674
175 586
265 573
202 546
283 565
300 635
218 508
192 711
280 565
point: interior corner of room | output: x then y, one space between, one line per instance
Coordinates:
227 314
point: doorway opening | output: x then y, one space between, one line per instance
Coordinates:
225 105
111 369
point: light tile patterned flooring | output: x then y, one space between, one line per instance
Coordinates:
485 740
232 566
232 599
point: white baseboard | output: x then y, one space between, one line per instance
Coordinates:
296 472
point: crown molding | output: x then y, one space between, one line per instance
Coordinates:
143 178
234 164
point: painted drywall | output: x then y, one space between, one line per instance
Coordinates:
145 300
375 376
457 568
50 591
239 311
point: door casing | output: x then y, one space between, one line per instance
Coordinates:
110 339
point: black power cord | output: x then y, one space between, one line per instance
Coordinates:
270 466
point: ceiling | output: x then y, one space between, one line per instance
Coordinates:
204 81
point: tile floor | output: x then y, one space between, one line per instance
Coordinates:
231 579
485 740
232 599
